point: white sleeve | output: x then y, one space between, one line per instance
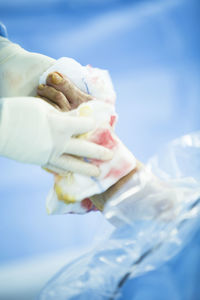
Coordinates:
20 70
33 131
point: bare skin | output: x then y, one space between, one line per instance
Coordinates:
100 200
64 95
61 92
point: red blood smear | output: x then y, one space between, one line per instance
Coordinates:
112 120
120 172
87 203
104 138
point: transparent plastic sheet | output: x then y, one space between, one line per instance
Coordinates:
143 244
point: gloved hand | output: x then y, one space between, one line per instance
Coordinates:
32 131
20 70
137 195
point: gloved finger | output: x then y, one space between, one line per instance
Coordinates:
55 96
48 101
55 170
87 149
73 164
73 124
68 88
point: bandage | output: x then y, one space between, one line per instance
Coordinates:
71 193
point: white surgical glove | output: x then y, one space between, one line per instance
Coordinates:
20 70
32 131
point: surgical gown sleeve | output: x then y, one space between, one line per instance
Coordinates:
20 69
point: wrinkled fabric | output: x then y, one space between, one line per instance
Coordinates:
71 193
143 245
20 69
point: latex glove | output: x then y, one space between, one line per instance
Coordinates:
20 70
32 131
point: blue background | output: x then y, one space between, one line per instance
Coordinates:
152 50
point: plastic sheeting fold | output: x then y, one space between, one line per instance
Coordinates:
142 245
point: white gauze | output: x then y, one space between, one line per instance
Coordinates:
71 193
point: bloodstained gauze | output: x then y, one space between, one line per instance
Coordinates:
112 120
119 172
104 138
87 204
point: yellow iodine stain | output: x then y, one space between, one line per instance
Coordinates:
57 178
82 136
68 178
85 111
67 199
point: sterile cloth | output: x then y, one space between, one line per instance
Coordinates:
71 193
